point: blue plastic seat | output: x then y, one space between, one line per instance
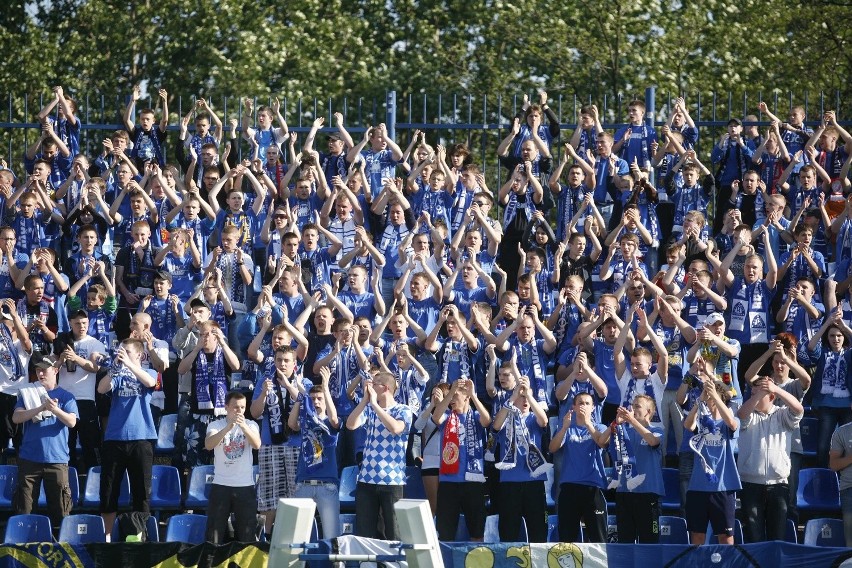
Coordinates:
673 530
825 532
82 529
413 488
198 493
28 528
346 492
166 435
818 490
8 482
553 529
73 482
186 528
347 523
492 530
738 534
790 535
151 526
462 535
809 427
671 484
92 494
548 490
165 488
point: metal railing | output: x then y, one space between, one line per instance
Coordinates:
480 121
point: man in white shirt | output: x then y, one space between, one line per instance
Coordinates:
231 439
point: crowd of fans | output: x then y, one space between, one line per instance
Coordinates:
365 306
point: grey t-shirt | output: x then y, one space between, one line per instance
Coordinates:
841 442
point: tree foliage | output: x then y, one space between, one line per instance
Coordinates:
349 48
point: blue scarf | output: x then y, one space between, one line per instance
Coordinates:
277 410
142 276
706 426
519 438
8 343
205 377
313 428
625 458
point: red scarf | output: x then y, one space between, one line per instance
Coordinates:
450 446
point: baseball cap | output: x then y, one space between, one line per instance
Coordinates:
41 361
735 121
714 318
333 136
164 275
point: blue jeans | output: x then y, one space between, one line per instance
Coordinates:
327 498
846 511
829 419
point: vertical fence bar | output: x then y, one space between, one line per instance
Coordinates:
390 114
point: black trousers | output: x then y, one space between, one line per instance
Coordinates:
522 500
581 502
136 457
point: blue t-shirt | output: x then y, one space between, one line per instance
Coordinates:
605 368
582 458
521 472
323 445
648 463
130 413
719 453
47 441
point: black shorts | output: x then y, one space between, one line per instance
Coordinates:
718 507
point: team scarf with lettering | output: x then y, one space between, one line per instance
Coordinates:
706 427
529 364
519 440
834 374
144 274
512 207
241 221
277 411
625 458
344 368
313 428
464 359
227 263
9 344
631 394
474 449
205 377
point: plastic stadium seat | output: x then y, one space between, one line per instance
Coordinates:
548 490
82 529
818 490
8 482
790 535
492 530
198 493
462 535
671 484
151 526
73 482
28 528
553 529
165 488
738 534
810 430
673 530
348 482
166 435
413 488
92 494
186 528
347 523
825 532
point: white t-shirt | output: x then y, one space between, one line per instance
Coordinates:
81 383
232 459
9 383
161 348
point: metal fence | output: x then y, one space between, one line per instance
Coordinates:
480 121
